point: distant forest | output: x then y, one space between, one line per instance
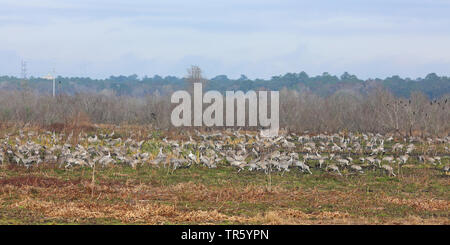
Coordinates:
432 85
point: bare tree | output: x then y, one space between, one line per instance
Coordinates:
195 76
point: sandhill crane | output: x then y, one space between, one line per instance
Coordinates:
293 155
262 164
275 154
333 168
255 152
377 163
332 156
446 169
301 165
288 144
240 157
252 165
192 157
214 148
229 159
410 148
176 163
336 148
388 159
283 166
427 159
403 159
438 159
356 168
160 158
93 139
209 162
134 163
106 160
388 169
397 147
342 162
321 161
146 155
238 164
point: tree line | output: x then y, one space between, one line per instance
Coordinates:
432 86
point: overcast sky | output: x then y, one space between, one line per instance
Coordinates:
259 38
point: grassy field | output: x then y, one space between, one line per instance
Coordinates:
198 195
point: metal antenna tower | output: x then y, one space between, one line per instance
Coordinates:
23 71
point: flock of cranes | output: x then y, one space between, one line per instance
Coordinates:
335 153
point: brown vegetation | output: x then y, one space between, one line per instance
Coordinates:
155 199
377 112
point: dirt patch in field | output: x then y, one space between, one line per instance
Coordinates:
35 181
422 204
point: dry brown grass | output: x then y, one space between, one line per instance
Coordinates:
422 204
35 181
196 203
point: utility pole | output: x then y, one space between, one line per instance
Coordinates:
53 78
54 82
